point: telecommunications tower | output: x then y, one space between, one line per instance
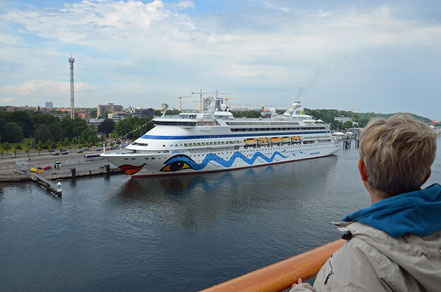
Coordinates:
72 108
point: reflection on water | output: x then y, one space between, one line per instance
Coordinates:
196 201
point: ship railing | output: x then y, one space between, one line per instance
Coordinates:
282 275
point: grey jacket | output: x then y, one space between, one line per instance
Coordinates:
372 260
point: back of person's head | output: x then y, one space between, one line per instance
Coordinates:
397 153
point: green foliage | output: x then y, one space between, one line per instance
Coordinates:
6 146
66 142
24 120
45 119
132 127
93 112
106 126
328 115
39 146
89 135
49 144
12 133
247 114
42 133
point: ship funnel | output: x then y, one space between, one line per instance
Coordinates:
293 107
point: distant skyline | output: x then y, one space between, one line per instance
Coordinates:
370 56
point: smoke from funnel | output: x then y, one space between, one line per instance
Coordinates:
334 63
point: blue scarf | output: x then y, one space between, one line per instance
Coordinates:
417 212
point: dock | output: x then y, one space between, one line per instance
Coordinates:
51 186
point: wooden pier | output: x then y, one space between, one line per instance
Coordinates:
48 184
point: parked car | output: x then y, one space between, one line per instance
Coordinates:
80 151
47 167
98 149
55 153
64 153
37 170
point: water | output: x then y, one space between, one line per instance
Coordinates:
180 233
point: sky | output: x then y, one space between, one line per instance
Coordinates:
365 56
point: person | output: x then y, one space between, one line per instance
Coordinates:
394 244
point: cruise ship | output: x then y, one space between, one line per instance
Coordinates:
214 140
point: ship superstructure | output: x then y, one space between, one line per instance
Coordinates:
213 140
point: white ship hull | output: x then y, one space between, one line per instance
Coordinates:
184 162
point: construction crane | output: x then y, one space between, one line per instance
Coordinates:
200 94
228 98
352 111
180 101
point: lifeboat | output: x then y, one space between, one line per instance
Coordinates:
286 139
263 141
275 140
250 141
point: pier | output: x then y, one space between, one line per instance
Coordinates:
71 166
51 186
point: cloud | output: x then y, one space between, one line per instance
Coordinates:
41 90
6 100
131 48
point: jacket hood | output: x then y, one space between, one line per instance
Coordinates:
417 212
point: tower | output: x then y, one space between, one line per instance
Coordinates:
72 108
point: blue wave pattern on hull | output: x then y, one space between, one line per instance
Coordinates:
226 163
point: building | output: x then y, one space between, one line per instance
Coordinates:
103 110
49 104
343 119
95 122
118 116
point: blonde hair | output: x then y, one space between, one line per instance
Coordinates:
397 153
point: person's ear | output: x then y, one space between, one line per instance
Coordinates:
427 176
363 171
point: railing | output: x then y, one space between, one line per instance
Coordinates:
282 275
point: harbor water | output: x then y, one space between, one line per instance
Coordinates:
180 233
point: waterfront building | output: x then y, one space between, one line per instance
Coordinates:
103 110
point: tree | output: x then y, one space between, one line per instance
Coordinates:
6 146
106 126
2 152
89 134
93 112
74 142
66 142
12 133
14 150
67 126
59 146
25 121
42 134
79 126
39 146
49 145
26 150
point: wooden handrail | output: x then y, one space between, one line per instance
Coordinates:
282 275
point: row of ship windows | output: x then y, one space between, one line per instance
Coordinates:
260 123
274 129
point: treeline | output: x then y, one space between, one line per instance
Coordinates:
43 128
328 115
